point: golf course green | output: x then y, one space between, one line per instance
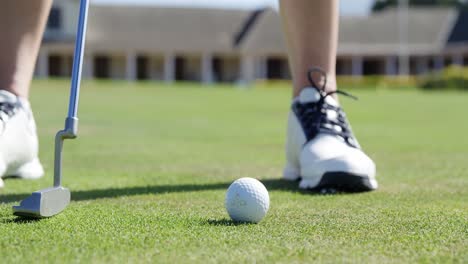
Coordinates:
149 171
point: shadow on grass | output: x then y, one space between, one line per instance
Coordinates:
271 185
226 222
20 220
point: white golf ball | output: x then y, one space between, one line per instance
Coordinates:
247 200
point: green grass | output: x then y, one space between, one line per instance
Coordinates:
149 171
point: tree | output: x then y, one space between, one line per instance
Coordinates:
380 5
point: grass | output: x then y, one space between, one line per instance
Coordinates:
149 171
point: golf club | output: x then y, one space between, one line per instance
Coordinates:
53 200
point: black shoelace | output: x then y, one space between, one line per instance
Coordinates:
8 108
314 118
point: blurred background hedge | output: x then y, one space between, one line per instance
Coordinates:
450 78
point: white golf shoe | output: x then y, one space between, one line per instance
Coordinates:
18 139
321 149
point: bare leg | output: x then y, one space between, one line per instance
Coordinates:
311 30
22 23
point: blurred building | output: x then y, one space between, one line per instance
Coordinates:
211 45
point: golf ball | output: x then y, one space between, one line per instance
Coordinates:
247 200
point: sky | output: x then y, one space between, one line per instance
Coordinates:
347 7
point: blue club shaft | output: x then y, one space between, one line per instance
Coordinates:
78 59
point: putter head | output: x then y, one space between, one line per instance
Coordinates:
43 203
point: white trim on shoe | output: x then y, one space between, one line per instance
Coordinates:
30 170
291 173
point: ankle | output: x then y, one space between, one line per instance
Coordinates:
326 83
329 87
16 88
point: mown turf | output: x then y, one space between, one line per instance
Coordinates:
151 165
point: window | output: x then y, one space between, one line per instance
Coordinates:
101 67
55 65
226 68
55 18
218 69
180 68
343 67
373 66
142 68
277 68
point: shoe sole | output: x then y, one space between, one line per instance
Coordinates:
341 182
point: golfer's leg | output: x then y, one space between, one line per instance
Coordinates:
311 30
321 150
22 23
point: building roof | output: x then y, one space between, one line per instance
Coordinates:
460 30
428 32
377 34
157 29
